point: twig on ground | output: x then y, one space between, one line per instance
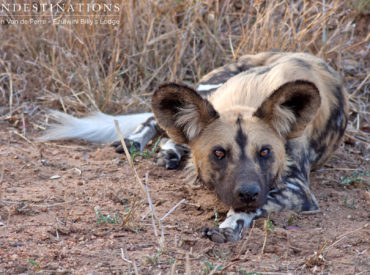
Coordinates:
131 212
154 215
144 188
23 124
123 257
55 204
3 169
172 209
245 243
128 156
238 259
145 214
23 137
264 240
317 258
1 180
215 269
151 206
341 237
340 169
173 268
187 264
135 268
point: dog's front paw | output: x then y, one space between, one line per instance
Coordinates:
170 159
224 235
171 154
130 144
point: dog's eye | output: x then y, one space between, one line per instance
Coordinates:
265 152
219 153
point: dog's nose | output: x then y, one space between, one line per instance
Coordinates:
248 193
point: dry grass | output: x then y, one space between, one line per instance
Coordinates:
80 68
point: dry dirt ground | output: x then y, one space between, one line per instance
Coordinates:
55 199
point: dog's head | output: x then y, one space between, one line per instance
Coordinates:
239 153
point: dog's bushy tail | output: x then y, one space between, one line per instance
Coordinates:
97 127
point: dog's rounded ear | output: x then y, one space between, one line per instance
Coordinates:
181 112
290 108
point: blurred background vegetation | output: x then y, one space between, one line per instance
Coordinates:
114 68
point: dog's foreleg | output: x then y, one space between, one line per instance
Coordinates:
171 153
230 230
295 196
140 137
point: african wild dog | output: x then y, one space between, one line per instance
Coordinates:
255 128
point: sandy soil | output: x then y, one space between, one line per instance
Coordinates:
55 199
